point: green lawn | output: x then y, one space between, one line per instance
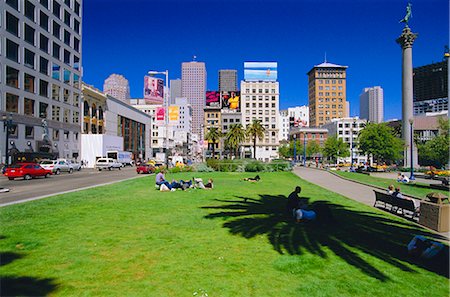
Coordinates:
128 239
418 190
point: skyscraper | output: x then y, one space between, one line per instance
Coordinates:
175 90
371 104
41 75
193 87
431 88
117 86
327 93
227 80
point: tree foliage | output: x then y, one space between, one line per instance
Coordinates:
312 148
287 151
235 137
255 131
379 140
335 148
435 151
213 136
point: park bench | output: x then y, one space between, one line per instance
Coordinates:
396 204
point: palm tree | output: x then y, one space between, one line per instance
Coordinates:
234 137
213 136
255 131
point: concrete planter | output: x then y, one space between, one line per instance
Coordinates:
435 216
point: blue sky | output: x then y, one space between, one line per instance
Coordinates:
130 37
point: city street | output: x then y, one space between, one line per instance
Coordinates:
21 190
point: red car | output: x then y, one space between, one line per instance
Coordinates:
145 168
26 170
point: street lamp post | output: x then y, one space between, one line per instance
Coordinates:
304 149
351 144
295 148
7 124
166 111
411 122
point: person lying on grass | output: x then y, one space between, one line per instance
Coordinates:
252 179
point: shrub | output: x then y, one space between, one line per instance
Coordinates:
202 167
254 166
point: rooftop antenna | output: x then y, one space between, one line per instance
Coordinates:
325 57
194 58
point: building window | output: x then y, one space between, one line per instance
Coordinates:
43 88
28 83
56 111
43 110
43 65
43 20
66 116
12 103
29 34
67 37
29 132
13 3
43 43
28 107
55 92
12 77
12 50
55 134
12 24
56 71
66 96
76 101
76 44
56 30
67 18
77 8
76 117
56 51
29 10
66 76
28 58
56 9
67 57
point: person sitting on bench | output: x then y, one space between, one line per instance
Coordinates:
252 179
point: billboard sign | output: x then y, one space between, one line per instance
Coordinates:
160 115
153 90
231 100
212 99
174 113
260 71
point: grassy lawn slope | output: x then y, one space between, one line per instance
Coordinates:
128 239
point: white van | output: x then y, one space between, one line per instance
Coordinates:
107 163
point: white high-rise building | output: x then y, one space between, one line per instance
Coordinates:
371 104
299 116
283 124
193 87
40 85
117 86
183 128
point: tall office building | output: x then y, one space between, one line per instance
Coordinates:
117 86
327 93
261 101
431 88
193 87
371 104
175 90
41 75
227 80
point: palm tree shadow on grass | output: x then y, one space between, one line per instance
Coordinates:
22 285
346 235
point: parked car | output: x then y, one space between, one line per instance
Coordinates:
26 170
145 168
75 165
57 166
107 163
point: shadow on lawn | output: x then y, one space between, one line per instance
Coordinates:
349 233
22 286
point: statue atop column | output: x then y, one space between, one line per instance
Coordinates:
408 15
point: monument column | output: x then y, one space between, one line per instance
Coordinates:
406 41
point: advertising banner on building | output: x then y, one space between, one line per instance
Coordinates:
212 99
297 122
153 90
231 100
174 114
260 71
160 115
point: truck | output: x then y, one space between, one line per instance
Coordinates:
122 157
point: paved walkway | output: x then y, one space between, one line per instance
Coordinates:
352 190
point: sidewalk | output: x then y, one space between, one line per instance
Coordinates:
349 189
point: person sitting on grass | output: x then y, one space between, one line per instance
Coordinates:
297 207
399 177
421 247
160 180
252 179
210 184
405 179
